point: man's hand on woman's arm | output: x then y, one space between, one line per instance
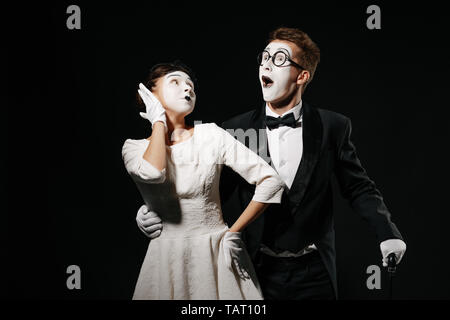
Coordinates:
149 222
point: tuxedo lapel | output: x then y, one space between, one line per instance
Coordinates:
259 124
312 139
256 228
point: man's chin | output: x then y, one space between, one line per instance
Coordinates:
269 96
270 99
280 98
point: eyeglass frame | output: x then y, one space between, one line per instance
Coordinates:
273 59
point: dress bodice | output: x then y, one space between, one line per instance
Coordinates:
186 194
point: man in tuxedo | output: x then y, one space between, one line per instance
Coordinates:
292 243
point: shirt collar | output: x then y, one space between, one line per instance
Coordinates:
296 110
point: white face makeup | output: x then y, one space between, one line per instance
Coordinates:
178 92
276 82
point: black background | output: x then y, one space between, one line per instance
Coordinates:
71 105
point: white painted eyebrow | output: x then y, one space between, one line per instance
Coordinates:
174 75
179 75
279 49
283 49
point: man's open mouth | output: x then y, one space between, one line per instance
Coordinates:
266 81
188 98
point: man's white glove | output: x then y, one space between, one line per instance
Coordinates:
396 246
233 249
149 222
154 109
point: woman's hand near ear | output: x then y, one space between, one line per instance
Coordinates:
154 109
155 113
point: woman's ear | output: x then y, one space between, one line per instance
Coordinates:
157 91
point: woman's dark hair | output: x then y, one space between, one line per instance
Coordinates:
160 70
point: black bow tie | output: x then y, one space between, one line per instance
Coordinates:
286 120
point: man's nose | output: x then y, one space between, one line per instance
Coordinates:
267 66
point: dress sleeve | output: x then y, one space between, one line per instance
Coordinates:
139 168
250 166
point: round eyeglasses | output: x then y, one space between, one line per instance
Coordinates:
279 58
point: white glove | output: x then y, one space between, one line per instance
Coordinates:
154 109
396 246
149 222
233 249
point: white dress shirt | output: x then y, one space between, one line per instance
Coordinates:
286 150
286 145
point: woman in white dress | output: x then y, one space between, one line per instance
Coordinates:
197 256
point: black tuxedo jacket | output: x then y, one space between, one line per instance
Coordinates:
305 213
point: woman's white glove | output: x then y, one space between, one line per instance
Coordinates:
154 109
233 248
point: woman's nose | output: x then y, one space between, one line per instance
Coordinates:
188 90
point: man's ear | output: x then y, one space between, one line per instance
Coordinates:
303 77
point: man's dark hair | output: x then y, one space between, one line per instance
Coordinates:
309 51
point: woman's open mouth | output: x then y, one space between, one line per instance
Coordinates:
188 98
266 81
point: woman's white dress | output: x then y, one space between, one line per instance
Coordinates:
187 260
